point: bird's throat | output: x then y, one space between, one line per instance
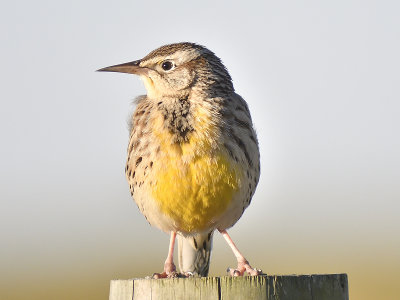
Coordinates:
152 92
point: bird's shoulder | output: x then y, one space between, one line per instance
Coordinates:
239 104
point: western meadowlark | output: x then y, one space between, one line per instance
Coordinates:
193 159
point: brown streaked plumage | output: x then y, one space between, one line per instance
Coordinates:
193 159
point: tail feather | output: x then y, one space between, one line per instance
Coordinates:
194 253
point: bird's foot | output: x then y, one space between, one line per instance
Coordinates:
244 266
169 272
171 275
165 275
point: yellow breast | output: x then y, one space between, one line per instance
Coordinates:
196 181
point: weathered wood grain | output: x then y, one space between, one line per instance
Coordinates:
177 288
233 288
121 289
278 287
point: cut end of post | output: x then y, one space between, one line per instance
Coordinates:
263 287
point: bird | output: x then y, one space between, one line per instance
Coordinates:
193 157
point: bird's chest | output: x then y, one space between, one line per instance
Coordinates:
177 120
193 190
195 180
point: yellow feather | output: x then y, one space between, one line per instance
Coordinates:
194 194
197 183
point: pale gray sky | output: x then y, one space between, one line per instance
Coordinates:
322 82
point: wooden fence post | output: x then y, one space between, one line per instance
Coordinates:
278 287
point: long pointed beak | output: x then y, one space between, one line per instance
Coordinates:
130 68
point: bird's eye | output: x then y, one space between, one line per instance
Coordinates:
167 65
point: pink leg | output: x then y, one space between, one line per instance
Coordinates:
243 264
169 266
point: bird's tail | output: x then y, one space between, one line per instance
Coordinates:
194 253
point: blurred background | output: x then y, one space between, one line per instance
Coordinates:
322 82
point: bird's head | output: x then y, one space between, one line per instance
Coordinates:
176 70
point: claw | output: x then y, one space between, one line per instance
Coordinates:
244 267
234 272
188 274
254 272
159 275
173 274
